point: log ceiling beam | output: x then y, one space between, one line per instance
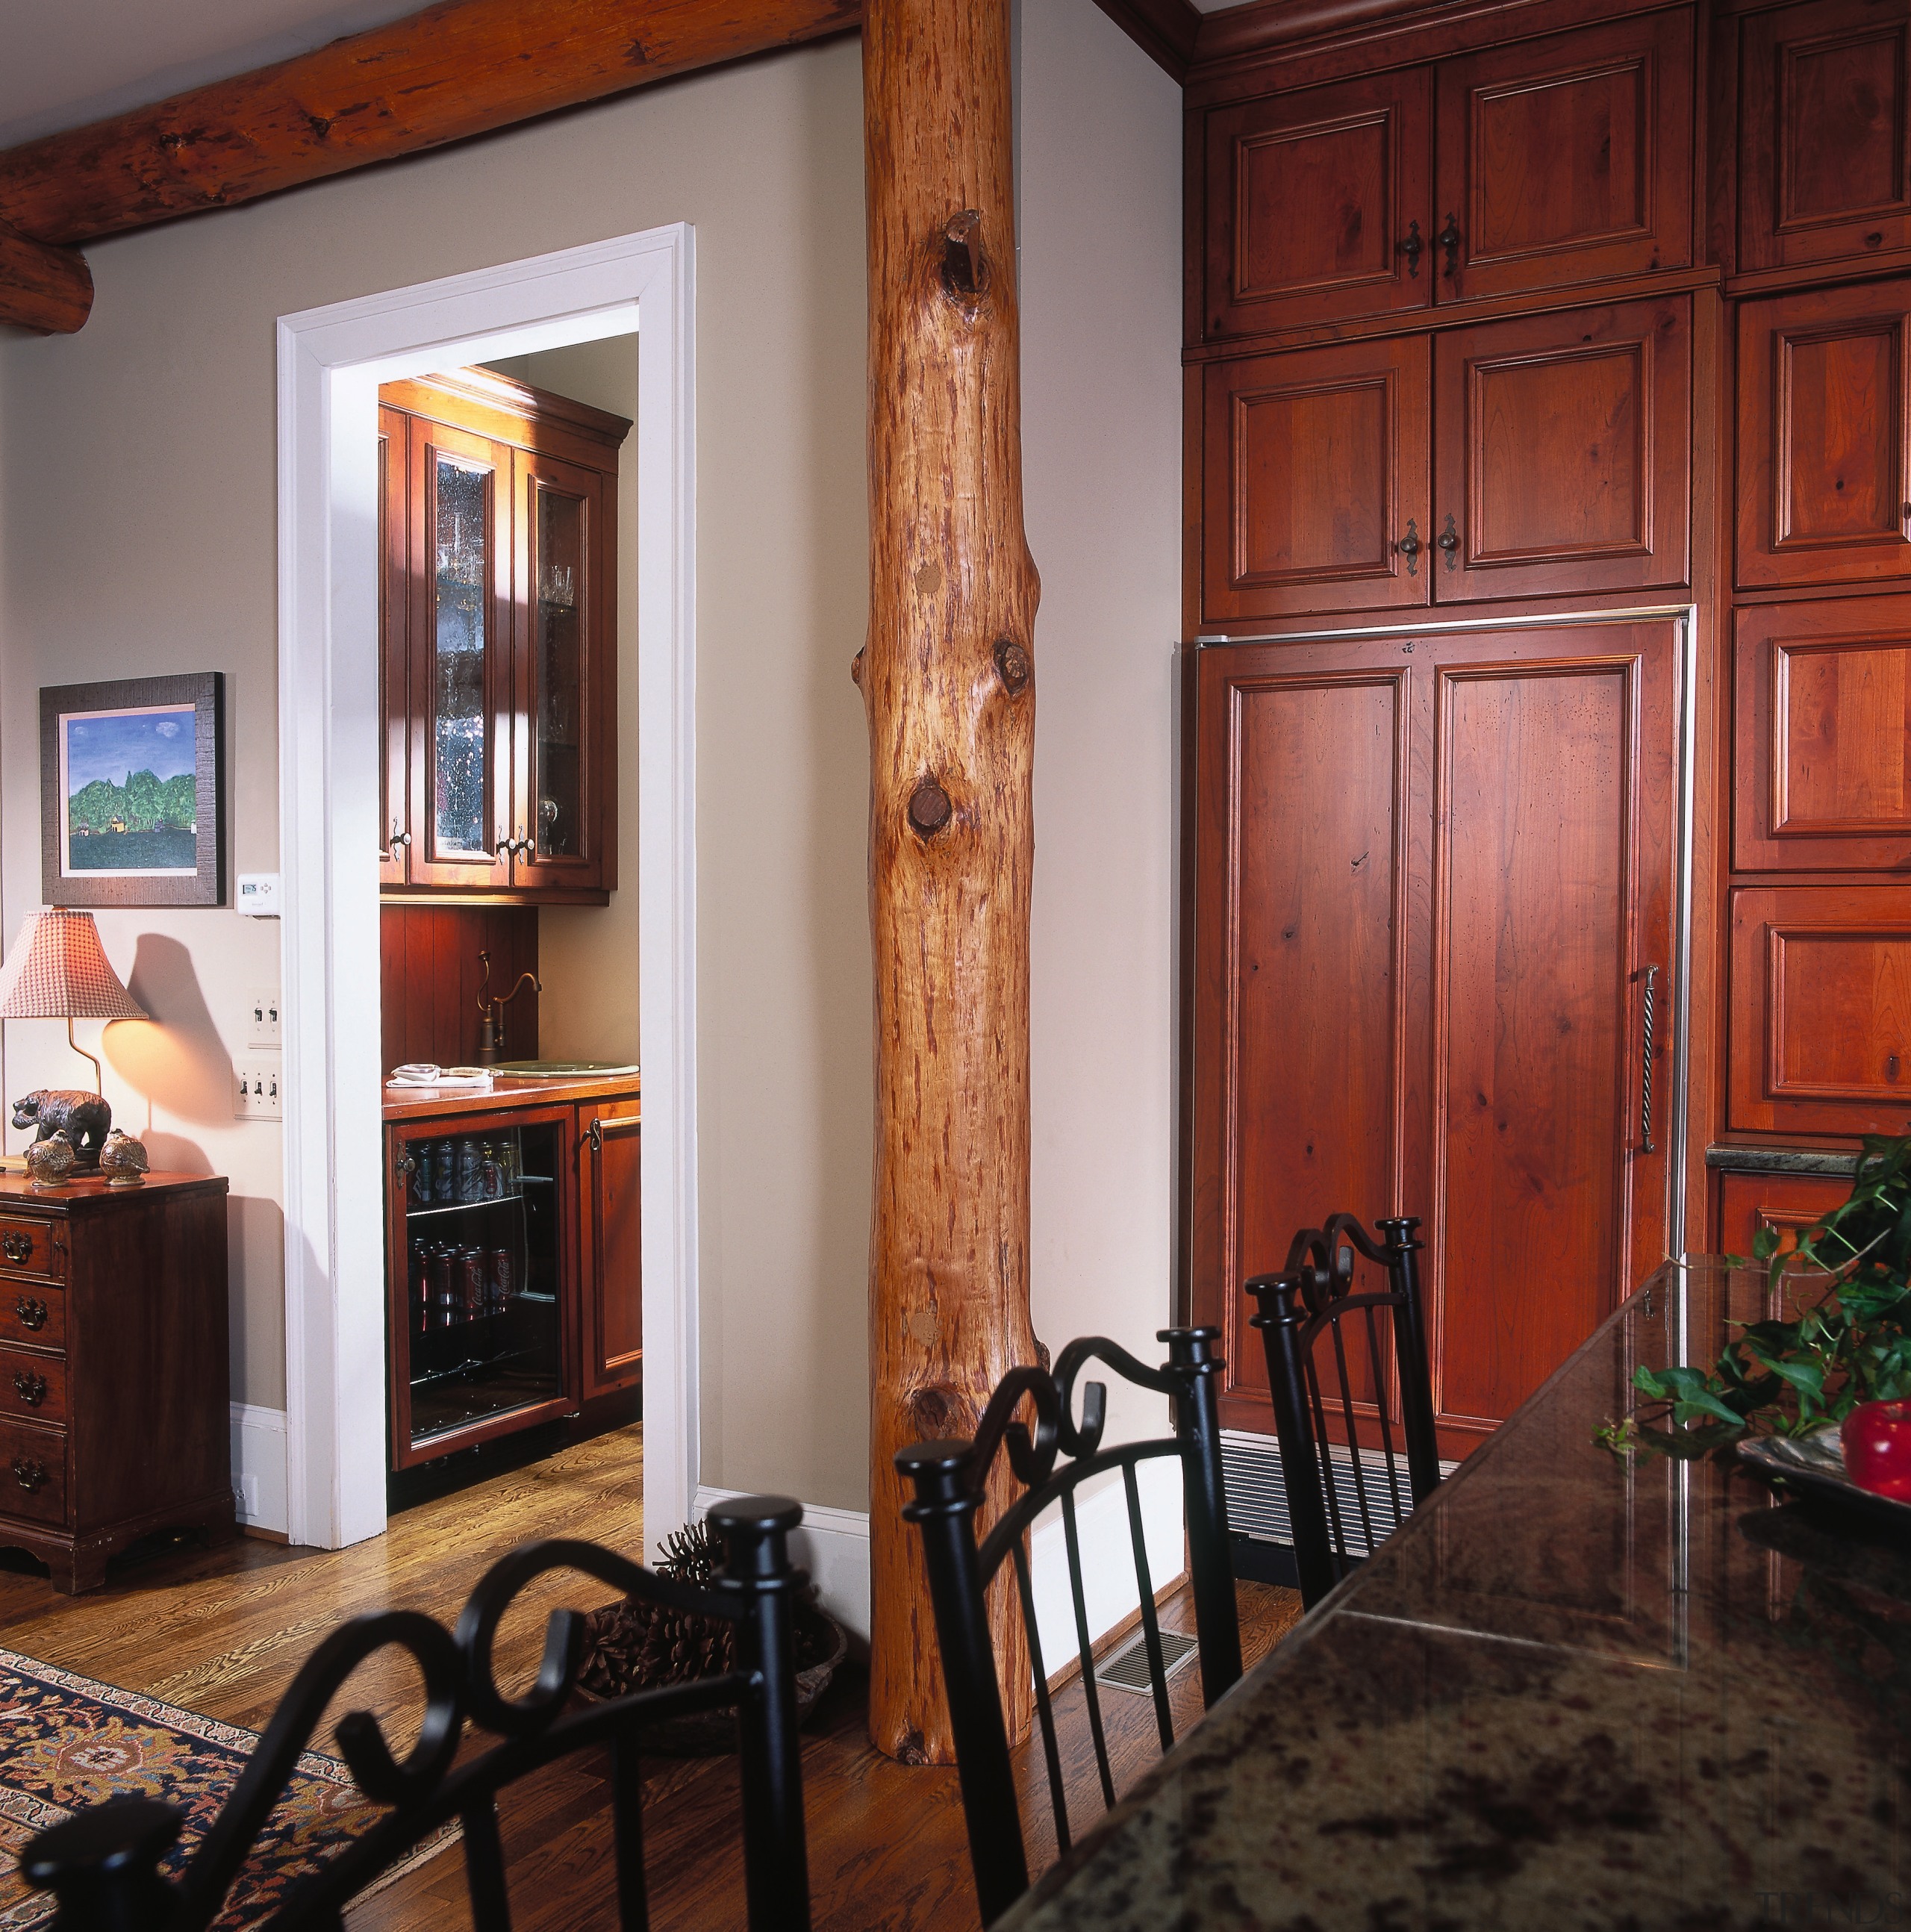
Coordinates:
42 287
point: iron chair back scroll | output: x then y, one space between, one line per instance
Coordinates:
950 1479
104 1864
1310 1301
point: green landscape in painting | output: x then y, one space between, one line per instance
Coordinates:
146 824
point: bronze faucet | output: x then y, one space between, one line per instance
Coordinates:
490 1041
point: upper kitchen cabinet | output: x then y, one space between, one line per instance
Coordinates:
1566 160
498 640
1824 121
1320 205
1538 165
1825 437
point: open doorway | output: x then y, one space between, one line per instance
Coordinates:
614 952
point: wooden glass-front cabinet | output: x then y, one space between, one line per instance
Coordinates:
498 627
514 1266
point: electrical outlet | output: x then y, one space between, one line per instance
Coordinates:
262 1017
257 1094
245 1498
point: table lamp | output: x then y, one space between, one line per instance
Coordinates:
58 971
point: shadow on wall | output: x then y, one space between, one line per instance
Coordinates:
178 1058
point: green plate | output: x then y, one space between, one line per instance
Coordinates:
561 1070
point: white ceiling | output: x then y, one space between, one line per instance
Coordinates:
64 63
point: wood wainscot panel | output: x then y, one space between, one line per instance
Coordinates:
1314 477
1320 205
1821 1009
1567 159
1824 119
1822 751
430 976
1564 456
1825 437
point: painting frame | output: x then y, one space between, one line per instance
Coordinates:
130 701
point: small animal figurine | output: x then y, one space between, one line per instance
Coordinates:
84 1116
123 1160
50 1161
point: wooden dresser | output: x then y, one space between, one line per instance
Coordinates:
115 1384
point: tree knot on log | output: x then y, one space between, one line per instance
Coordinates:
855 671
964 267
318 124
635 55
937 1415
1012 667
929 808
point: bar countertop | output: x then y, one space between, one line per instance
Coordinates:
1570 1692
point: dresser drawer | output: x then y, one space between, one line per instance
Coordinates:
30 1246
32 1386
33 1312
32 1472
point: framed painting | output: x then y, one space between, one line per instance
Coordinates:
132 792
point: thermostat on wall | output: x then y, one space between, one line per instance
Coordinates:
258 895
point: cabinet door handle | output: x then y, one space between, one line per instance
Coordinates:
31 1390
1448 238
406 1166
31 1309
1448 541
29 1474
1649 1005
1411 247
1410 547
596 1136
16 1247
397 839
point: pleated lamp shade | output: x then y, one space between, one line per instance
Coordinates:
58 971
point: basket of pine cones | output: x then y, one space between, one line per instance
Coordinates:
634 1645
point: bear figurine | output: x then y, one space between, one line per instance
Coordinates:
84 1117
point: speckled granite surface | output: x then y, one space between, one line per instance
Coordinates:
1568 1693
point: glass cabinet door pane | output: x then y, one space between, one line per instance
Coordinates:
461 606
558 652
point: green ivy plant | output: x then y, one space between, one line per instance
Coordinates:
1852 1344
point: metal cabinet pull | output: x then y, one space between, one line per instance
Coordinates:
595 1135
16 1247
29 1474
1410 248
1448 238
31 1390
1410 547
31 1309
1651 1004
1448 541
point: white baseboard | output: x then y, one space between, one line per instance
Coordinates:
833 1545
1109 1588
259 1466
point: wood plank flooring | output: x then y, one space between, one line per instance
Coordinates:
222 1631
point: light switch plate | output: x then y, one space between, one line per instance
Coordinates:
262 1017
257 1086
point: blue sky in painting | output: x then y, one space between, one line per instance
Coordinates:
109 746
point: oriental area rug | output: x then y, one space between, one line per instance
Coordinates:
67 1742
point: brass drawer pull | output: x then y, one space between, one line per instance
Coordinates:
31 1309
16 1247
31 1390
29 1474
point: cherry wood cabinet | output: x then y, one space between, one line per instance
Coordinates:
1822 702
610 1231
1824 171
1825 437
1434 880
498 630
1787 1203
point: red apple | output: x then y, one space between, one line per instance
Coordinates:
1876 1437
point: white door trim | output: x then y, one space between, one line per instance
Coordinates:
331 362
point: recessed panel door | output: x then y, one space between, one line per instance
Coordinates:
1315 482
1563 460
1319 205
1825 437
610 1144
394 650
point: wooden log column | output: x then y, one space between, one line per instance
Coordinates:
948 684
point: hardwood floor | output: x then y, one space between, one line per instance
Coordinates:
223 1630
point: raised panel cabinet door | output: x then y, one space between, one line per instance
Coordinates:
1319 204
462 694
1567 159
1821 737
1824 117
1785 1204
1825 437
1820 1024
1563 460
394 648
1314 482
610 1153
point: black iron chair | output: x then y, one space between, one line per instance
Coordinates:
950 1479
1337 1523
103 1865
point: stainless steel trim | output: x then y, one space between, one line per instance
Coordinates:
1679 1125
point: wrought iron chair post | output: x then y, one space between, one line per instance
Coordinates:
102 1867
945 1509
755 1532
1210 1562
1280 1324
1410 1348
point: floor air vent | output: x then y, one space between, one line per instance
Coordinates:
1127 1669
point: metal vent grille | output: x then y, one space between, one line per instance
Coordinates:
1257 1496
1127 1669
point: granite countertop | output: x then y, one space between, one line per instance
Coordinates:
1569 1693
